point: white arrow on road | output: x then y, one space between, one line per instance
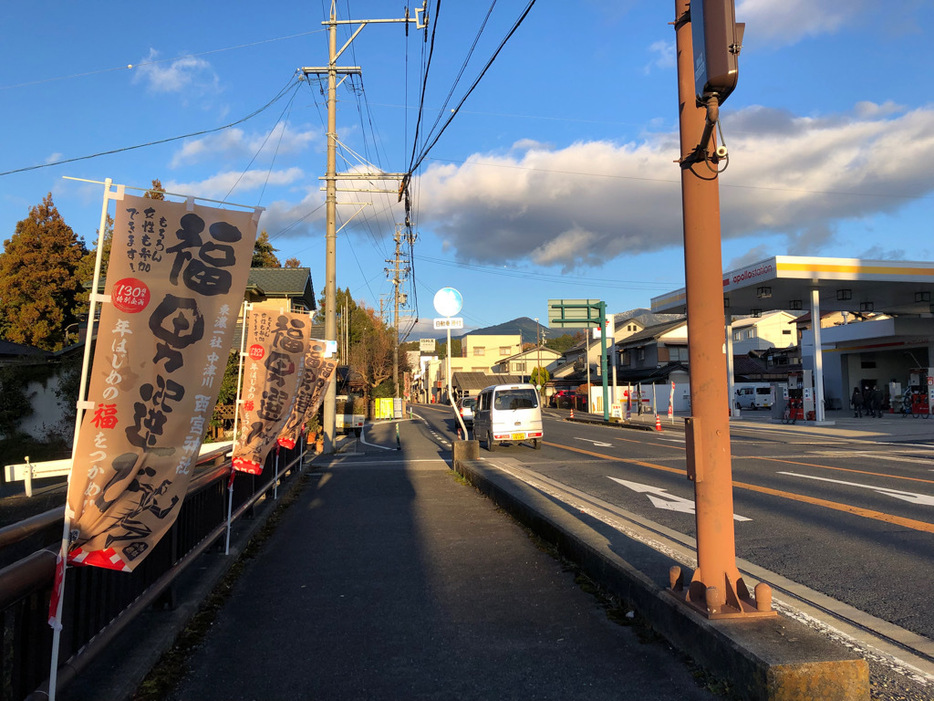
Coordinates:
914 498
661 499
596 443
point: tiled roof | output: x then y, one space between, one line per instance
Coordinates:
284 282
466 381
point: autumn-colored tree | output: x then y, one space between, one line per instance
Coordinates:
264 255
371 355
156 192
39 284
85 271
292 263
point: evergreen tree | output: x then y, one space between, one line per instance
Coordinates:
39 284
264 255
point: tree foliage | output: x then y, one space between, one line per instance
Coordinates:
264 255
156 192
565 341
540 376
372 354
39 283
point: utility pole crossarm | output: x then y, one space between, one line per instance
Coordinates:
342 70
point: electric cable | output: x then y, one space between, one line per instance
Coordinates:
424 153
287 108
292 83
155 62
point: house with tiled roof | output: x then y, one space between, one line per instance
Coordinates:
293 284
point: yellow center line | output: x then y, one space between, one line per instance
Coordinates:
846 508
844 469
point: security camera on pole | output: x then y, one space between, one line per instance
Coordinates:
449 302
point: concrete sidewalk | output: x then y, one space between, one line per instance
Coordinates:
391 579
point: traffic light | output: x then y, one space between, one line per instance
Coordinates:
717 40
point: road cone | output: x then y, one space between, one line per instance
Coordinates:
658 423
572 412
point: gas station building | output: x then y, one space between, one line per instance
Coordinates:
889 343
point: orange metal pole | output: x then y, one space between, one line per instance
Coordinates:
716 587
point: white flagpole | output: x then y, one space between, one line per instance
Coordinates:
55 621
246 308
275 483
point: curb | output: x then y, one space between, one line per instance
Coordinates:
778 659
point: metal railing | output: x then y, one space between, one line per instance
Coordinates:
99 603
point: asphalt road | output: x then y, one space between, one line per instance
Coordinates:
852 520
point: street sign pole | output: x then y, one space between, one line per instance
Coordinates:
606 405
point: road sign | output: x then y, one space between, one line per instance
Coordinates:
448 302
426 345
450 322
574 313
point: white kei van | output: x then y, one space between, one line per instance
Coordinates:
508 413
753 396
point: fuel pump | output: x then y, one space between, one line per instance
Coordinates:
801 395
919 396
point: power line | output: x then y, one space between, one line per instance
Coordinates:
424 153
294 82
155 62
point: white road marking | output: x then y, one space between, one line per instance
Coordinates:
912 497
596 443
661 499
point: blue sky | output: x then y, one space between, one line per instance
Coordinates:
554 179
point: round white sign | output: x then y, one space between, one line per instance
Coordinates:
448 301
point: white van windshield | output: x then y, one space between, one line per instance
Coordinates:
516 399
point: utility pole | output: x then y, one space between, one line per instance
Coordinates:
331 177
716 588
400 271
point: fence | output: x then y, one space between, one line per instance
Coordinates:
99 603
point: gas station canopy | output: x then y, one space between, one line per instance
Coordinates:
842 284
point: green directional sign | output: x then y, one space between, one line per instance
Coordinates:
575 313
583 314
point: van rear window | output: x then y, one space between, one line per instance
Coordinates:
763 390
516 399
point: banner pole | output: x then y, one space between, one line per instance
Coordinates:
275 482
61 562
230 484
236 434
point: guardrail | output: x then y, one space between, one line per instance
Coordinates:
29 471
98 603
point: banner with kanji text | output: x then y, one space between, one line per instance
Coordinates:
174 286
277 341
316 375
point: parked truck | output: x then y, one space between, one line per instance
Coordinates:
350 414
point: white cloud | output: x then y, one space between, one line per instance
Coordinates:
234 143
177 75
664 56
590 202
235 183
